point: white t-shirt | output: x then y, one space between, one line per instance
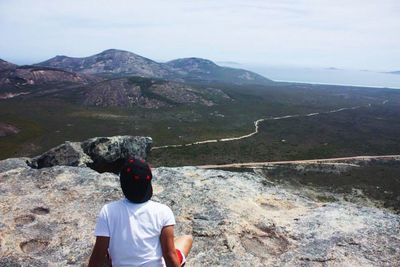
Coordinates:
134 231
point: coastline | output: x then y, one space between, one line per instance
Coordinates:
338 84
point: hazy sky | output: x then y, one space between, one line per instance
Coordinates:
353 34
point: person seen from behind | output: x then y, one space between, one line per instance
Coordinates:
136 231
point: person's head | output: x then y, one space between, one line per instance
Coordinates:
135 178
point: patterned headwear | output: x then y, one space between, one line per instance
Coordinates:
135 178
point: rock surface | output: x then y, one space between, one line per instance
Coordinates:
47 218
99 153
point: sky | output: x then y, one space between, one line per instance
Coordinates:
349 34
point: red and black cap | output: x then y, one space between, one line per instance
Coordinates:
135 178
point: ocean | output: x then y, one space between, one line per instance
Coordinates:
327 76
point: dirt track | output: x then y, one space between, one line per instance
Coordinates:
344 160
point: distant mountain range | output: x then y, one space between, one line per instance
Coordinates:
123 79
111 61
394 72
115 62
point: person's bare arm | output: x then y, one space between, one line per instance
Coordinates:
99 251
168 246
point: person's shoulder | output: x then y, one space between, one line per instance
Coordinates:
162 212
158 206
113 204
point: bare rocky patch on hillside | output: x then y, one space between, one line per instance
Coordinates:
145 93
8 129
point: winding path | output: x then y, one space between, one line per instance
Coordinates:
257 123
331 161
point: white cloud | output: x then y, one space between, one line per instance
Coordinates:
346 34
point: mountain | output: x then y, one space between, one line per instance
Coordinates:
115 62
90 90
110 61
198 69
4 65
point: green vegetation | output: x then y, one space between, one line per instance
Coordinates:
364 131
377 180
50 116
145 83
